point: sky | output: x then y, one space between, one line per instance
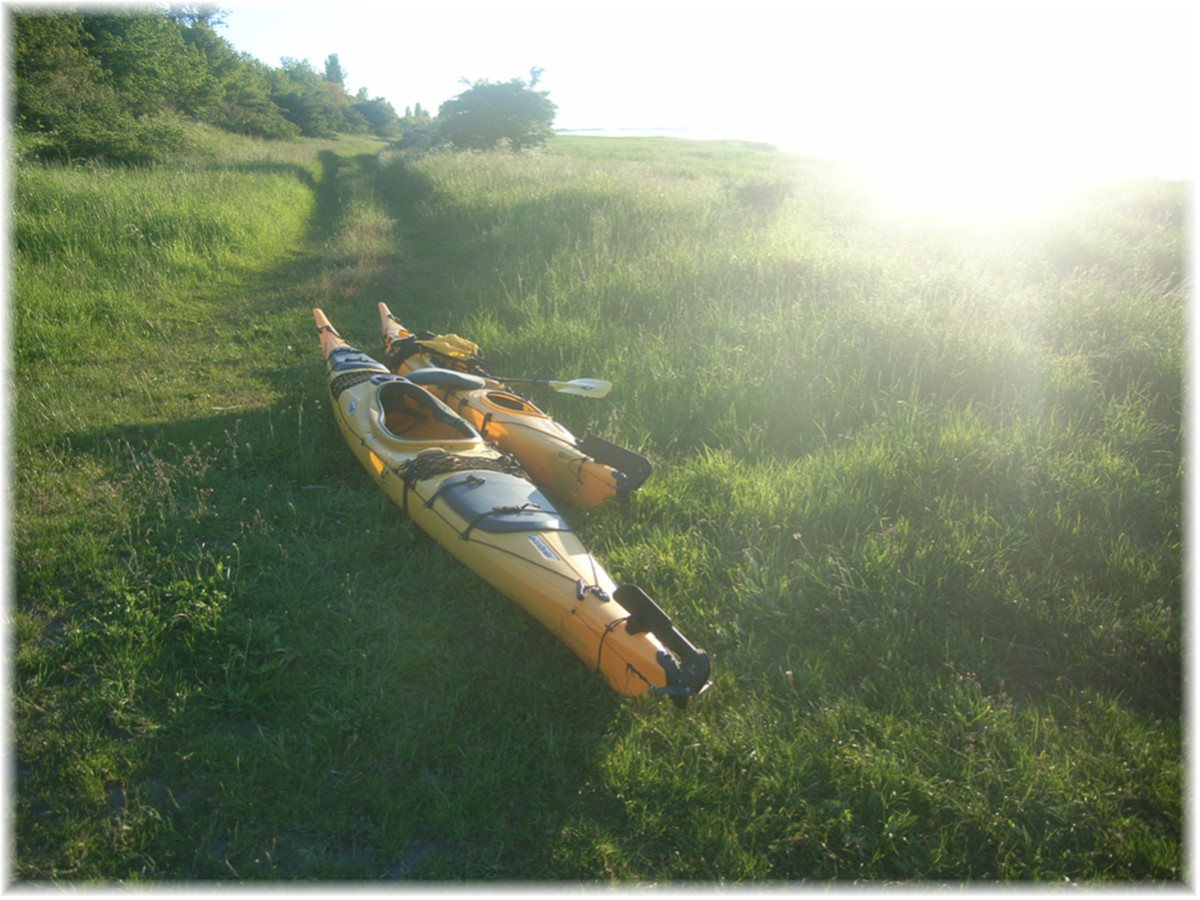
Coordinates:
1002 97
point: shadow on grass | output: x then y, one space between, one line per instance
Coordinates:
286 679
316 689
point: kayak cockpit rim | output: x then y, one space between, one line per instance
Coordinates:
409 414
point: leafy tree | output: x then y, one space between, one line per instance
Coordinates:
334 73
489 114
246 106
55 77
379 114
236 93
198 14
305 99
147 61
415 117
64 96
119 85
220 66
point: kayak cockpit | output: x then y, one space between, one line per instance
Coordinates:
511 403
410 413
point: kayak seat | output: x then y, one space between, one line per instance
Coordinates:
413 414
499 503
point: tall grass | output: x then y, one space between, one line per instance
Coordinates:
917 490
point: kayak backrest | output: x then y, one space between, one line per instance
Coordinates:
411 413
445 378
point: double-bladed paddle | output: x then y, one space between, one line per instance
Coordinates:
581 387
463 381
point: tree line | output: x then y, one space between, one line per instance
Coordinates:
121 86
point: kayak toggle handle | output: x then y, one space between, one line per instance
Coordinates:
686 678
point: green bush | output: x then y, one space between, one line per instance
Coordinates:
491 114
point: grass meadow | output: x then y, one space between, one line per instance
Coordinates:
917 490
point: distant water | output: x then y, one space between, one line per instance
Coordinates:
690 134
970 183
1164 166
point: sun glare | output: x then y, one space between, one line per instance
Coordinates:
998 115
992 189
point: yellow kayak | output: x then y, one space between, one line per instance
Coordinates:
477 503
583 473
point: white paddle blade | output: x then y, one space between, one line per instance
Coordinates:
583 387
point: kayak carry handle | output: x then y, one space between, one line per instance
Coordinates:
687 678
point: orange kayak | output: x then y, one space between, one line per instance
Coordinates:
583 473
476 502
